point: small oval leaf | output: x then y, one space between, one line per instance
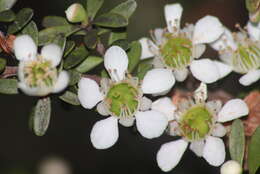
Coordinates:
6 4
254 152
112 20
93 6
70 98
52 21
76 57
89 63
7 16
2 64
8 86
32 30
125 9
134 55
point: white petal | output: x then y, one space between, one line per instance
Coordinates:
116 62
102 109
165 106
127 122
223 69
204 70
214 105
62 82
214 151
89 94
173 128
249 78
219 130
201 93
104 133
233 109
151 124
181 74
27 90
170 154
198 50
145 104
231 167
207 29
53 53
172 13
146 51
25 48
253 31
157 81
225 41
197 147
158 33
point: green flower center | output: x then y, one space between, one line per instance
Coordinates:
246 58
122 99
39 73
196 123
177 52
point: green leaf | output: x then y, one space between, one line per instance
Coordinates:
69 47
48 35
6 4
71 98
237 141
76 57
52 21
61 41
32 30
103 30
114 36
93 6
254 152
112 20
74 77
8 86
2 64
41 116
7 16
123 43
134 55
125 9
104 74
22 18
89 63
91 39
143 68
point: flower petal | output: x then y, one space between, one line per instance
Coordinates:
172 13
201 93
62 82
219 130
53 53
157 80
170 154
225 41
214 105
104 133
207 29
223 69
88 93
231 167
158 34
24 48
151 124
204 70
197 147
249 78
165 106
214 151
102 109
198 50
146 51
27 90
181 74
116 62
233 109
145 104
253 31
127 122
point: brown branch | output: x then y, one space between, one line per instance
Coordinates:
93 77
9 72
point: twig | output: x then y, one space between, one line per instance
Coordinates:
9 72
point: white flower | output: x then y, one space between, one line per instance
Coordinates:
199 123
241 52
37 73
176 49
121 98
231 167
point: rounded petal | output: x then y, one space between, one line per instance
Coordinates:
62 82
127 122
151 124
24 48
88 93
233 109
165 106
170 154
207 29
219 130
146 51
223 69
226 40
197 147
116 62
214 105
157 80
204 70
231 167
181 74
27 90
198 50
214 151
172 13
104 133
158 34
145 104
53 53
253 30
249 78
102 109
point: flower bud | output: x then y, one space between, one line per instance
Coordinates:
76 13
231 167
254 10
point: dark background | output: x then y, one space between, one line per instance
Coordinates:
68 134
